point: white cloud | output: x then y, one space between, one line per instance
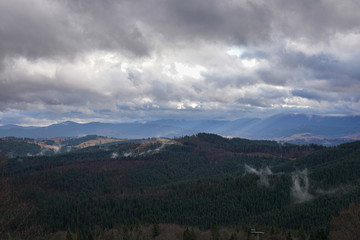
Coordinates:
194 72
235 51
300 188
340 44
262 173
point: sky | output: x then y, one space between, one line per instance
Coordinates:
142 60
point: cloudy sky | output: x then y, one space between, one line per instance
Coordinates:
127 60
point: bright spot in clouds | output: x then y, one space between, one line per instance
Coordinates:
235 51
35 68
250 63
181 106
185 70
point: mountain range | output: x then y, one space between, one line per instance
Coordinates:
298 128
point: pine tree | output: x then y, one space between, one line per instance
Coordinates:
156 229
215 235
233 236
126 235
192 234
289 237
68 235
302 234
90 236
138 230
187 234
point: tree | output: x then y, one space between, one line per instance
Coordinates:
13 212
347 224
186 234
233 236
192 234
317 234
138 231
90 236
156 229
189 235
289 237
68 235
302 234
215 235
126 235
3 164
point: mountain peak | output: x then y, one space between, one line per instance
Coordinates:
66 123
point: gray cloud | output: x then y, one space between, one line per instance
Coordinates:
306 94
213 20
146 59
338 75
36 29
45 28
315 20
50 29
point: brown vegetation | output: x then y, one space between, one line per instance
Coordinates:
13 212
346 226
167 232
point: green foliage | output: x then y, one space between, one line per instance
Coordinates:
197 181
90 236
189 234
186 234
302 234
155 229
68 235
317 234
16 147
78 140
126 235
289 237
192 234
215 234
233 236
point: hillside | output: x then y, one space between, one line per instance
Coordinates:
194 180
22 147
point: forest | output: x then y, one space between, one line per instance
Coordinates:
203 187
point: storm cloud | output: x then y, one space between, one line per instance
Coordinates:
120 60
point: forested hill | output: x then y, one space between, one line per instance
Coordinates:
20 147
194 180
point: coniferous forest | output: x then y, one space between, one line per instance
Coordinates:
199 187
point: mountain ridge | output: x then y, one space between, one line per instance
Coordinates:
310 128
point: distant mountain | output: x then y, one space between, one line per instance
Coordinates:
290 127
13 126
299 128
118 130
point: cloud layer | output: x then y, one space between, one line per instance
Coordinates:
121 60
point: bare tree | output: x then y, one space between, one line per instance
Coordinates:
346 226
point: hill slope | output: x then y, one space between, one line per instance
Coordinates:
194 180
